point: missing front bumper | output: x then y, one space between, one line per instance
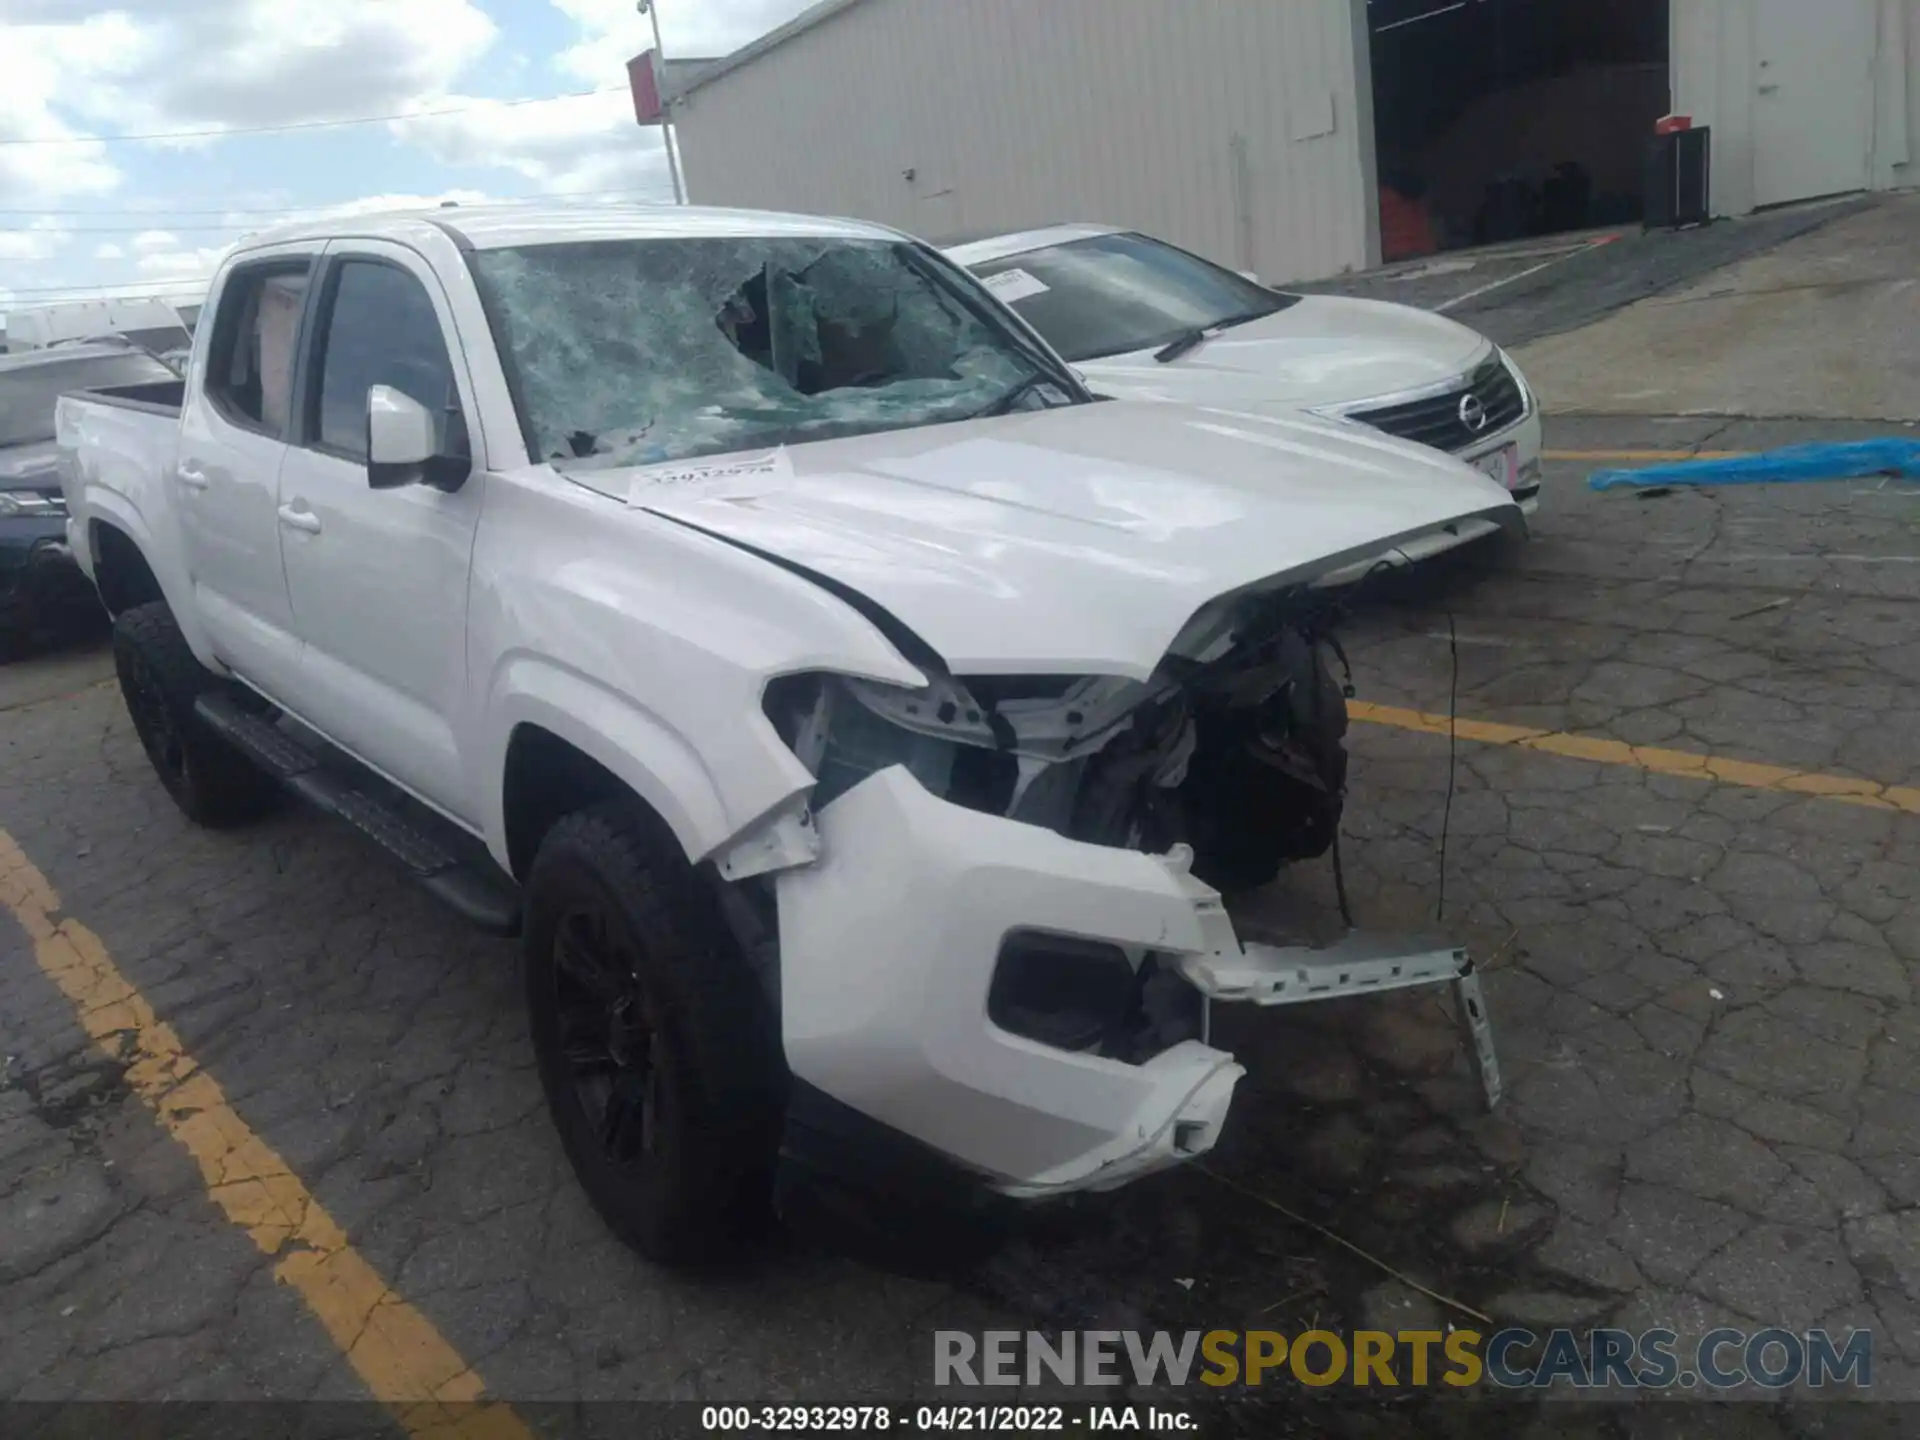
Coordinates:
1358 964
888 947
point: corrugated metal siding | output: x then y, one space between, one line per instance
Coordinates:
1715 75
1009 113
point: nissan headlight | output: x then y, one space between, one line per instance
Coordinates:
1519 379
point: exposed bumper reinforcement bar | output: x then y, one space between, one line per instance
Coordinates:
1359 964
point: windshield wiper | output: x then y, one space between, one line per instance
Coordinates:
1183 344
1013 396
1188 341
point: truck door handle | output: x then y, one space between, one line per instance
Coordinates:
1769 89
192 479
300 519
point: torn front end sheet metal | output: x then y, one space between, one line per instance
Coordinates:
987 987
1008 943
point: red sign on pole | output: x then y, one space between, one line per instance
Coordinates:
644 80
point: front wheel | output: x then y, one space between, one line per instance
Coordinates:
212 783
657 1050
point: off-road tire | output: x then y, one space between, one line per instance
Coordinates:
701 1195
212 783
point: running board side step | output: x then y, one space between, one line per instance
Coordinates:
487 902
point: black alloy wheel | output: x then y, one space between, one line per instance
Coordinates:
608 1036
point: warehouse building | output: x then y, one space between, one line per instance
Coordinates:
1298 138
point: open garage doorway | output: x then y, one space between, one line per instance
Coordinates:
1498 120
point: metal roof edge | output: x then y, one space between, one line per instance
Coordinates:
806 20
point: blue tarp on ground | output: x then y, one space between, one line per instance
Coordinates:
1796 462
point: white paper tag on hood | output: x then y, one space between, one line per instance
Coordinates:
721 478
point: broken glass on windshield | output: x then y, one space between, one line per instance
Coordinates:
634 352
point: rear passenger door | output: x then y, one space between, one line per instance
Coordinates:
224 487
378 578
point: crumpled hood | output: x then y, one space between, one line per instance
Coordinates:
30 467
1325 350
1078 540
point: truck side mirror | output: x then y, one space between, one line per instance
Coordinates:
403 447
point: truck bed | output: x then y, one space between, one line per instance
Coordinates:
119 441
163 397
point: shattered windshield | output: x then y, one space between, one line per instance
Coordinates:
632 352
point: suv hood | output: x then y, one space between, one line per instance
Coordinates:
1078 540
1324 350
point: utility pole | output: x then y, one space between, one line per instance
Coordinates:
647 8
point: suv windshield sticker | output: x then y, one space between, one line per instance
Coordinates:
1015 284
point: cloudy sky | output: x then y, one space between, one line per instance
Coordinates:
80 213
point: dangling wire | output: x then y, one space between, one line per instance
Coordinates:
1453 710
1324 633
1339 870
1340 881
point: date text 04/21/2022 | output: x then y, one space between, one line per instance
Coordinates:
930 1419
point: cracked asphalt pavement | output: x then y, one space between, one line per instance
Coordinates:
1702 993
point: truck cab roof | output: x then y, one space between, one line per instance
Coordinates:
502 226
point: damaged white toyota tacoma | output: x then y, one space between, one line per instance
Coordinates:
858 721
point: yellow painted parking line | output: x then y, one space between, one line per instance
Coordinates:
1650 455
393 1348
1846 789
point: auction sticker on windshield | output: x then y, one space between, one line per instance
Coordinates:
1015 284
721 479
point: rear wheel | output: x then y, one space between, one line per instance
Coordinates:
658 1053
212 783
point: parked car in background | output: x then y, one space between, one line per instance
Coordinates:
1146 320
179 346
856 721
42 591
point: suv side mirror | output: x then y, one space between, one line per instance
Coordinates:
403 447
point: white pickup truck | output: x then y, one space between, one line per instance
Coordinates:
858 721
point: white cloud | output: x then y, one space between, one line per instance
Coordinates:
193 64
71 68
34 61
219 63
43 240
612 32
592 144
215 65
187 266
577 146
